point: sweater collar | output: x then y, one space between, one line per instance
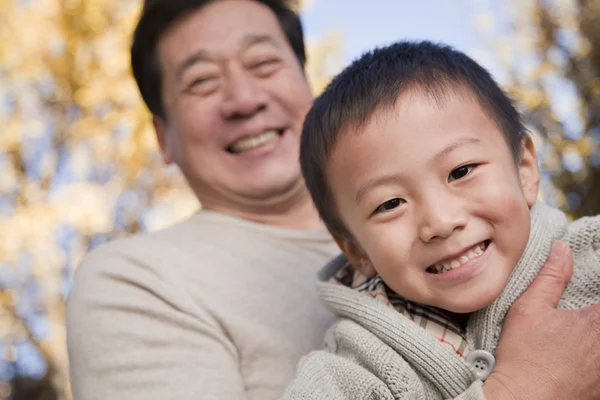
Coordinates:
484 326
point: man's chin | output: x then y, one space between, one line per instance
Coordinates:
274 192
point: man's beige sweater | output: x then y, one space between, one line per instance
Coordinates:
212 308
375 352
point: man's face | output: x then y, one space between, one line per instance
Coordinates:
235 97
434 201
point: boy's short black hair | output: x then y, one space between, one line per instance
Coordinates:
158 15
376 80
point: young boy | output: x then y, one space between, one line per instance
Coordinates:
422 170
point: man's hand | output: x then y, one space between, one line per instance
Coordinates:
545 353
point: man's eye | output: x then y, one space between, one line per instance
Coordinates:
266 67
200 81
265 62
461 172
204 85
389 205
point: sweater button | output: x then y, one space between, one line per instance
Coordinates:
482 363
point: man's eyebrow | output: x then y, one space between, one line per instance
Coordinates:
455 145
251 40
377 181
196 57
204 56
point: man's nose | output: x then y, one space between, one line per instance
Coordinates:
440 217
244 95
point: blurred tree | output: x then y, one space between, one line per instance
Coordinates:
552 57
79 167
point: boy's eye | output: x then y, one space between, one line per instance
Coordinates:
389 205
460 172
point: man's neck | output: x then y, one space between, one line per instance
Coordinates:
295 212
302 216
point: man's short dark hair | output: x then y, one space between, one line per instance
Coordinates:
158 15
375 81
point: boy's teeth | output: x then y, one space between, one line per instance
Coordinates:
252 142
448 265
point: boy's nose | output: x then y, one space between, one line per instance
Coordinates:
440 218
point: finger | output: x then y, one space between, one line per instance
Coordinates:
592 316
547 288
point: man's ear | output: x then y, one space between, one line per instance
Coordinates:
357 257
164 140
529 174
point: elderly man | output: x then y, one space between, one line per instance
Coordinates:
223 304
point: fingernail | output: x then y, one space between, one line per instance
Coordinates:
558 249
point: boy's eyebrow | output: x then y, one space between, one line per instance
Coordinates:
392 178
378 181
454 145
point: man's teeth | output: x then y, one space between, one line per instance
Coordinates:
457 262
253 142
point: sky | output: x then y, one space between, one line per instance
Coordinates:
364 24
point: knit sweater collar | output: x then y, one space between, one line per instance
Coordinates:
483 328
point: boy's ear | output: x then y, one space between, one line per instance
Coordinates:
529 174
356 256
162 136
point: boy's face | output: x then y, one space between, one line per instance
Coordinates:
434 201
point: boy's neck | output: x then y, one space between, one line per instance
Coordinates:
460 319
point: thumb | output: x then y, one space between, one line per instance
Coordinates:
547 288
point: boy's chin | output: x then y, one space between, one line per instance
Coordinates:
470 305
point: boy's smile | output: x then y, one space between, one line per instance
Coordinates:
460 259
434 200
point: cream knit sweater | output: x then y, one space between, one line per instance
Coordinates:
374 352
212 308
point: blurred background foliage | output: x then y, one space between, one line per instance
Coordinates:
79 163
551 57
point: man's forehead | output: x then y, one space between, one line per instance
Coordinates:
222 28
228 20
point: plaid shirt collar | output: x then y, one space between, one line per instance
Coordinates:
434 320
